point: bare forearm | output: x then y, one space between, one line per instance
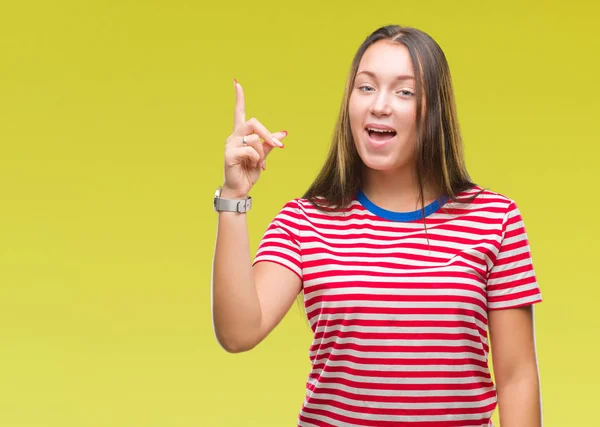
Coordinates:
236 307
520 402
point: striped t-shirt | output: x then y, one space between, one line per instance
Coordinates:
399 308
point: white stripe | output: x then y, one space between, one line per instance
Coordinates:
337 423
352 247
390 255
400 368
432 233
399 418
514 302
323 418
402 393
395 304
375 227
401 405
406 317
394 355
516 239
513 252
511 265
493 293
441 318
340 278
376 380
427 267
398 343
385 329
284 251
396 292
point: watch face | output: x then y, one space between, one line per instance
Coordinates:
217 194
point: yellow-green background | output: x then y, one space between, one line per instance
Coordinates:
113 116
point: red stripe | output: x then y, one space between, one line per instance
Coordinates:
395 336
514 284
382 398
401 411
394 250
397 348
430 386
398 374
319 311
406 285
514 296
333 273
433 361
525 268
524 256
368 423
404 324
431 235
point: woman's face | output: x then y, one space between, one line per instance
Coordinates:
382 107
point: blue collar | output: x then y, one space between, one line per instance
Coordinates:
400 216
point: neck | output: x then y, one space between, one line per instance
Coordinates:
396 190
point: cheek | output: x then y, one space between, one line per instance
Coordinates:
353 112
407 123
407 112
355 126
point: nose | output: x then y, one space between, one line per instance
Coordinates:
381 105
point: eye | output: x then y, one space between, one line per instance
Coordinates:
365 88
406 92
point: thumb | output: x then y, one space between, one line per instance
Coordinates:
279 135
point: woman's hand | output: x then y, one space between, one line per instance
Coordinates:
243 162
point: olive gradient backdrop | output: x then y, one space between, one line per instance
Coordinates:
113 116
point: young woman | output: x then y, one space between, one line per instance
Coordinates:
404 263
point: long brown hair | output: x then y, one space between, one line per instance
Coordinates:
440 159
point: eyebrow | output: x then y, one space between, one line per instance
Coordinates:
372 74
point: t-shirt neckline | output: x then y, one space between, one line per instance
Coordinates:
400 216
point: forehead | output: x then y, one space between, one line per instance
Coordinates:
387 59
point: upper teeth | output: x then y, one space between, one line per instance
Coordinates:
380 130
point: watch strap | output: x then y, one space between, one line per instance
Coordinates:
231 205
239 205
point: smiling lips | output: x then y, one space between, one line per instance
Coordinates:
379 135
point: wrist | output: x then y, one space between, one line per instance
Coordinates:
232 194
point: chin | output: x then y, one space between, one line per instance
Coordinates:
380 163
387 158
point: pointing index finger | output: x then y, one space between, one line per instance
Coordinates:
240 106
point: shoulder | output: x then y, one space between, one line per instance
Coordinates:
297 205
314 213
485 206
317 206
295 210
481 198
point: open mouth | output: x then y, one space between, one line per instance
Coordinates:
380 135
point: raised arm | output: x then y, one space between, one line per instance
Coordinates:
247 302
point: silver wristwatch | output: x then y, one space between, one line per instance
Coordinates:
227 205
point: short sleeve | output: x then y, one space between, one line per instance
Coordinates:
511 280
281 242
